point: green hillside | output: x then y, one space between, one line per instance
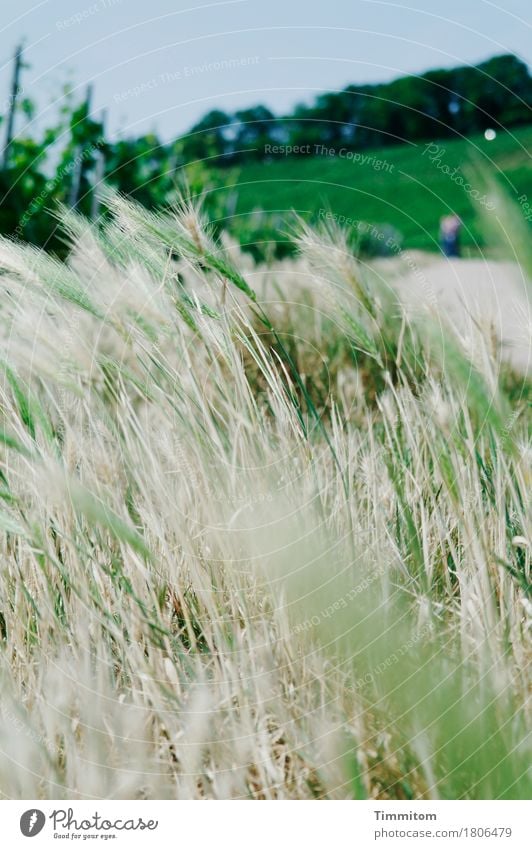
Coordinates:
408 187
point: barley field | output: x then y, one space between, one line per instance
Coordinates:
265 531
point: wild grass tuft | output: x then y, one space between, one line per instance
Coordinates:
262 534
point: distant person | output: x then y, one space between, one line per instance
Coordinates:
449 235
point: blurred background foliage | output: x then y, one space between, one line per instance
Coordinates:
245 187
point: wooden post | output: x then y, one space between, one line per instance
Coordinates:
77 172
99 175
12 104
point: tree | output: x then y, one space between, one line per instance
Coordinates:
211 138
253 131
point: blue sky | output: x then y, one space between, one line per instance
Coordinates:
162 64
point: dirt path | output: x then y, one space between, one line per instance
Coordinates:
495 293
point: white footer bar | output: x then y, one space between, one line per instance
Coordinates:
264 825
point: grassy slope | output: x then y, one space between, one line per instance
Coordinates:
411 196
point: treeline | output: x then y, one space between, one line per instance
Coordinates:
439 104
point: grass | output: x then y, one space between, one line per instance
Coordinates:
408 193
261 535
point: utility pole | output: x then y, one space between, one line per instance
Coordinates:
99 174
77 172
17 67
